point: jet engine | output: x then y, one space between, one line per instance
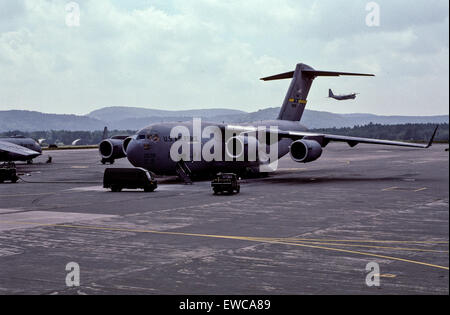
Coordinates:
304 151
111 149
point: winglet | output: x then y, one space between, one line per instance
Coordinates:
430 143
314 73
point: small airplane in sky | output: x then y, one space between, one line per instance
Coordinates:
342 97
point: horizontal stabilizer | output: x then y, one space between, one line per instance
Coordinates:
281 76
314 73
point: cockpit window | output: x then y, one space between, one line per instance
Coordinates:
141 137
153 137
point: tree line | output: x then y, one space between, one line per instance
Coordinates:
403 132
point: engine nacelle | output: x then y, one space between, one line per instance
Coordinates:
304 151
125 144
111 149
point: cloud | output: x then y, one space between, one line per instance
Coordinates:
210 53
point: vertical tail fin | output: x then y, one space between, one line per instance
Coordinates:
105 133
330 93
297 94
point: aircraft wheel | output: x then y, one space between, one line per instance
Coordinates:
116 189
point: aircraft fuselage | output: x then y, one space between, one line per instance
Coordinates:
150 148
344 97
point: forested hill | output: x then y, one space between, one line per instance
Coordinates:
122 118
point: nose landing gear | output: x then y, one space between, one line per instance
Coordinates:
110 161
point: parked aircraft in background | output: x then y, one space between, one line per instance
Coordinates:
19 148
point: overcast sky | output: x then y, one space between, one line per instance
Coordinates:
190 54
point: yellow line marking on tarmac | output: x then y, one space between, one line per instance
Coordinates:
367 254
405 189
388 275
390 188
381 247
243 238
363 241
385 275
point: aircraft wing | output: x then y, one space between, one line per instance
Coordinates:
324 139
9 147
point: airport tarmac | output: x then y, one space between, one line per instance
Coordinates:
306 229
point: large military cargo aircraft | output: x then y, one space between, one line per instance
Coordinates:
180 148
19 148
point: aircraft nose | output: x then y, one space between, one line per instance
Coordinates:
135 153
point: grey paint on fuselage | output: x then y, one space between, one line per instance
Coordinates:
144 151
